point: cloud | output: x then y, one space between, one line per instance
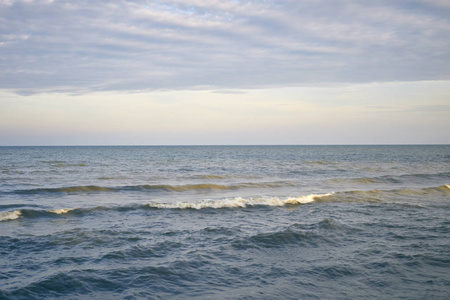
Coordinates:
230 92
410 109
431 108
393 112
80 47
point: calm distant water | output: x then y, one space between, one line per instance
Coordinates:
225 222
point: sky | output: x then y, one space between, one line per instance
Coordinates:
210 72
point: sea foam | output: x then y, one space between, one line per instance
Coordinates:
240 202
10 215
61 211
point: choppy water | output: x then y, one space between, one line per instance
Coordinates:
225 222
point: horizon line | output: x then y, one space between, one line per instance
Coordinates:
229 145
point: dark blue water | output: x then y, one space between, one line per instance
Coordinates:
225 222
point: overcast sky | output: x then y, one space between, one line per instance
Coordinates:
224 72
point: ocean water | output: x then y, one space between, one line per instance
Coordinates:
225 222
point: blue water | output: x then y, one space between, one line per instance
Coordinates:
225 222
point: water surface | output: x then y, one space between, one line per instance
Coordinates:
225 222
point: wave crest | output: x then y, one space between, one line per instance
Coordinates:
61 211
237 202
240 202
156 187
10 215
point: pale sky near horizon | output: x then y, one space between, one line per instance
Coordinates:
224 72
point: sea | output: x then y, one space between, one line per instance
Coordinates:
225 222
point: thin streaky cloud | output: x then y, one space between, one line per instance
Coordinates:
123 45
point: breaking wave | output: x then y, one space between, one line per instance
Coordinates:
61 211
10 215
214 204
239 202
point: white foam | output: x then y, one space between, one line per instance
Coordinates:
240 202
61 211
10 215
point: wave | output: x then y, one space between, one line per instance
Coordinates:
112 178
402 195
210 176
445 188
362 180
70 189
42 213
10 215
61 210
320 162
61 163
403 178
69 165
213 204
239 202
418 177
157 187
327 231
388 196
16 205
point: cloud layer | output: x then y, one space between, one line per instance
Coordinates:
85 46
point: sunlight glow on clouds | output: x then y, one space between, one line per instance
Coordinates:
219 72
366 113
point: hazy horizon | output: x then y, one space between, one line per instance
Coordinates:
221 145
